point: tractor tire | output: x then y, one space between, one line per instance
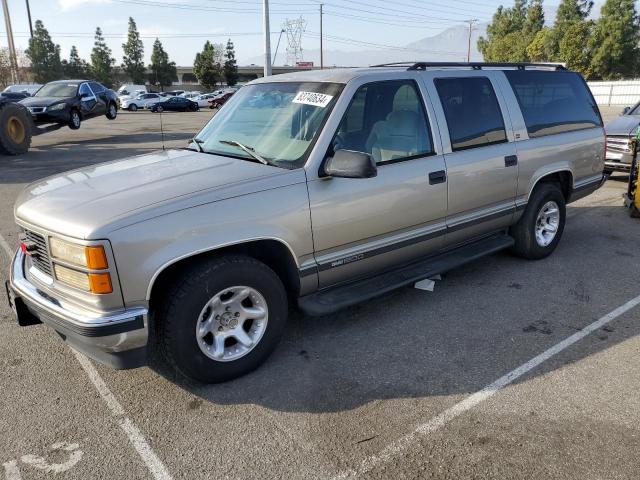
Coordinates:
15 129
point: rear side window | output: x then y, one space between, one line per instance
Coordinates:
553 102
472 111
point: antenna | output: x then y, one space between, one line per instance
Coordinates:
294 29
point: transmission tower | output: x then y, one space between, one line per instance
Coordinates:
294 30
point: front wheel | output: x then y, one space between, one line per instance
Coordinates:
159 109
133 107
222 318
540 228
74 120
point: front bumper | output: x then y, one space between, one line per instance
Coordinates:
118 339
55 116
618 161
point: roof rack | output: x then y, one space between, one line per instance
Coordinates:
472 65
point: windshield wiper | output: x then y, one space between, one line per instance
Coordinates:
249 150
198 143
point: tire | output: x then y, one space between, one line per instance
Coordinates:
185 304
74 120
159 109
15 129
533 236
112 111
133 107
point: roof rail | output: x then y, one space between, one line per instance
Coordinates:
472 65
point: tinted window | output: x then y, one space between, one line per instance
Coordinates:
553 102
97 87
387 121
472 112
84 90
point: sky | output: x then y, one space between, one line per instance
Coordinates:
184 25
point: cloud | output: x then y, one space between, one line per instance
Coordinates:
70 4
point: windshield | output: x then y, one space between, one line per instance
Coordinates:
277 121
635 110
57 90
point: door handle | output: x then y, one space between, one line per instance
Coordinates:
437 177
510 160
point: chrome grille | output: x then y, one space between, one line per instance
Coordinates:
36 109
40 253
618 144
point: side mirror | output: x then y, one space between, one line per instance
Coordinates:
350 164
626 110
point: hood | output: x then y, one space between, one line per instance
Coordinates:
622 125
90 202
42 101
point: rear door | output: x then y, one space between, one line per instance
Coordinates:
479 151
102 99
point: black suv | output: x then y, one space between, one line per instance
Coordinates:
71 101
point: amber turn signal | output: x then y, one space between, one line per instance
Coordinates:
96 257
100 283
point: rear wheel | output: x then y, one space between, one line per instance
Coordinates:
540 228
222 318
112 111
74 120
15 129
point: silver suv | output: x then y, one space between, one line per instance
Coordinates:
323 188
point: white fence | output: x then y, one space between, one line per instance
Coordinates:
621 92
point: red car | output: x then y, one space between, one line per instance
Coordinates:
220 100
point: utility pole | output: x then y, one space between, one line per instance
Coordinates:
29 15
12 48
267 38
321 51
470 22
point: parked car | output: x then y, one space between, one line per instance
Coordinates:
190 95
133 104
28 88
14 96
175 104
71 101
219 100
203 100
352 183
621 132
131 90
175 93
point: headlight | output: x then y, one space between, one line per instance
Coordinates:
90 257
57 106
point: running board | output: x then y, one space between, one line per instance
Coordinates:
337 298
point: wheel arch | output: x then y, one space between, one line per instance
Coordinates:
274 253
563 177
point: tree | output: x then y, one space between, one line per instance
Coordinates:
511 31
614 43
574 49
75 67
569 13
44 55
230 65
133 59
101 60
206 66
163 72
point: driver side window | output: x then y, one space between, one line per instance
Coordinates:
387 121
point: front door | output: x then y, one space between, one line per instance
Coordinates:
480 153
361 226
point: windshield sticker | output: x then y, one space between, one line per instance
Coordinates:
312 98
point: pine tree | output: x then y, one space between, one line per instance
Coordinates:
133 60
569 13
162 71
206 67
75 67
614 43
101 60
230 65
44 55
511 31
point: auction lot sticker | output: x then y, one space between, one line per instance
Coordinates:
312 98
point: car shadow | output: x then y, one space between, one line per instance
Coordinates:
482 321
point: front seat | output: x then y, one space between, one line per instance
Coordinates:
396 137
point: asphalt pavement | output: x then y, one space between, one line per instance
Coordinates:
393 388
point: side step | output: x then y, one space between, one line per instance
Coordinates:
336 298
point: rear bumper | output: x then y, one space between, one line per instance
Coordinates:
118 339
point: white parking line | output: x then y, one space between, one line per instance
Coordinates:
399 446
148 456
